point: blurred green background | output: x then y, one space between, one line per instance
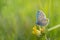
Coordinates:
17 17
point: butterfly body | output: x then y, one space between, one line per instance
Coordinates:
41 19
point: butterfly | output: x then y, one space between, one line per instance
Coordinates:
41 18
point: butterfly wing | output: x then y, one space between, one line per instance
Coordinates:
40 15
45 22
41 18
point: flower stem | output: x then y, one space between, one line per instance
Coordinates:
55 27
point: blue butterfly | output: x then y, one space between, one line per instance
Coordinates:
41 18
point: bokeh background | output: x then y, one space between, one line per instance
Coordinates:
17 18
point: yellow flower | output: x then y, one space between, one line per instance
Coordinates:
36 31
42 29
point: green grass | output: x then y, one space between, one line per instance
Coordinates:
17 17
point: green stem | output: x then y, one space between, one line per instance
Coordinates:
55 27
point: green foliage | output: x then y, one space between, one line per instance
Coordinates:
17 17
